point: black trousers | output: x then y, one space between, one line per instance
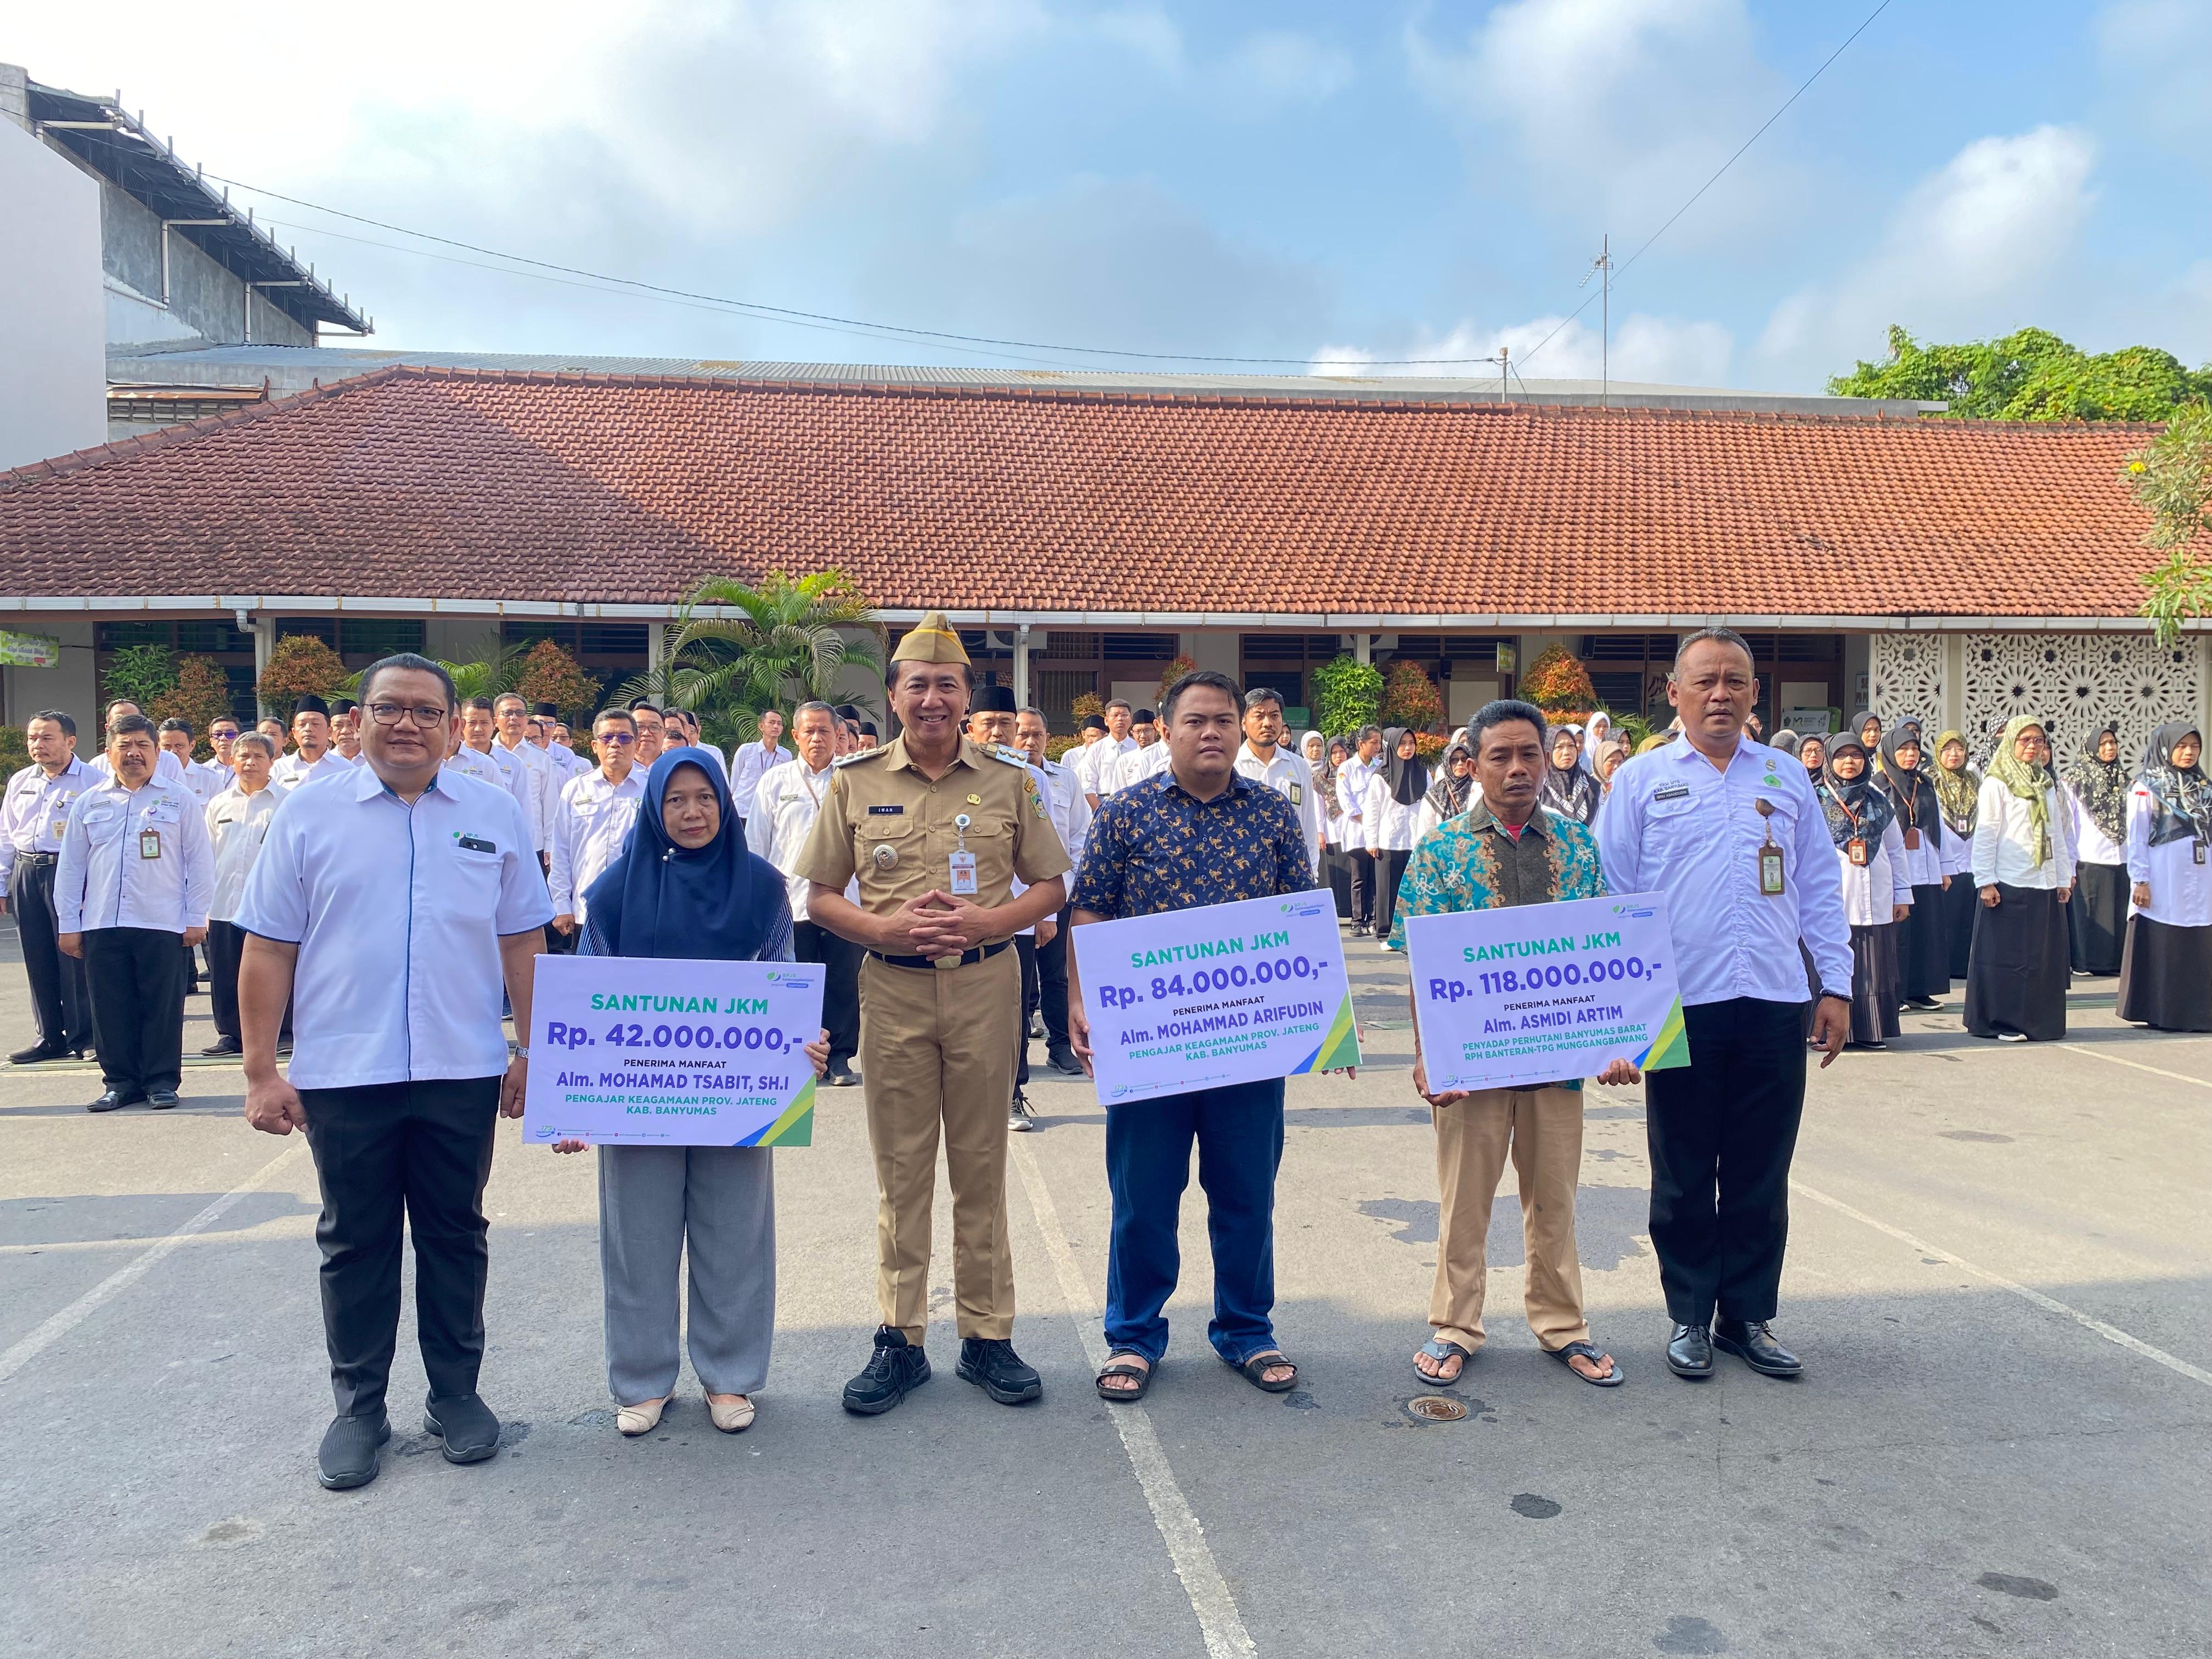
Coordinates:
225 946
841 985
1338 864
1723 1130
389 1150
1363 885
59 1000
136 978
1389 869
1051 995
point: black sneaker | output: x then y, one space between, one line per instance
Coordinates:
839 1074
896 1367
991 1364
1063 1060
348 1457
465 1423
222 1045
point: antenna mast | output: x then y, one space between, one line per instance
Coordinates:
1603 265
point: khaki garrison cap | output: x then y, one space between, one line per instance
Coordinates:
931 639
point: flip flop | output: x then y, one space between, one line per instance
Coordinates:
1254 1369
1125 1396
1439 1350
1592 1352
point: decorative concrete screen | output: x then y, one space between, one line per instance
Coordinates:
2073 681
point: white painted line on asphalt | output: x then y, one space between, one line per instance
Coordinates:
1218 1620
51 1331
2048 1304
2076 1049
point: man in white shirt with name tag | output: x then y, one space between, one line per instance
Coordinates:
313 757
1263 759
132 884
395 902
778 819
593 819
34 812
1735 840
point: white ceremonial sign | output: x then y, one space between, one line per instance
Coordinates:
1543 993
1219 994
649 1051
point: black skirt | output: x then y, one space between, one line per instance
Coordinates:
2166 976
1923 947
1338 864
2017 979
2098 917
1962 902
1874 984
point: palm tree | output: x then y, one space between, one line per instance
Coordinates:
495 666
788 642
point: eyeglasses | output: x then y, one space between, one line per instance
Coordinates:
616 737
422 716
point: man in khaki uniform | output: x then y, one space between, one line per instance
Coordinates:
936 829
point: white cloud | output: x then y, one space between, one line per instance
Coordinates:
1281 67
1617 109
1661 350
1966 253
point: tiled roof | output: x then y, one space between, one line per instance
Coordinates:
427 483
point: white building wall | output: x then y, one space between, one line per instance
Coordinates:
53 361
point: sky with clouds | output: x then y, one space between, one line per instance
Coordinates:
1300 182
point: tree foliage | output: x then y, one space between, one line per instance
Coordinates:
142 674
1173 672
200 697
787 641
493 666
301 665
1410 697
2030 374
1347 694
1556 683
549 674
2172 478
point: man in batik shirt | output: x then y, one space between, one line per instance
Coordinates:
1506 849
1196 834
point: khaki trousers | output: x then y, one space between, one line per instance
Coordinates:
1544 1128
937 1048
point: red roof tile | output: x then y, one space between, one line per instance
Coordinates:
427 484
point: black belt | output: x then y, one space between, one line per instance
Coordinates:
948 962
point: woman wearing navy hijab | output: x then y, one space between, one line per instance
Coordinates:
685 886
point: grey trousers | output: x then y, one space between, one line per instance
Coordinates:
721 1200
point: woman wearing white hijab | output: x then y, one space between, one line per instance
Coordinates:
1595 736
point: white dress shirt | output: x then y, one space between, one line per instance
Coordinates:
780 818
398 923
35 808
203 784
2004 840
753 762
591 826
167 769
1112 766
1070 808
514 779
2091 844
289 773
2180 887
538 789
1872 891
1386 823
133 858
1290 776
1351 796
237 824
1677 824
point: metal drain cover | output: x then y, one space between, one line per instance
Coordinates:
1437 1409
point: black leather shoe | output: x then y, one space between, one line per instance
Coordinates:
222 1045
1062 1060
1690 1352
115 1098
839 1074
465 1423
896 1367
161 1099
1751 1342
993 1366
37 1054
348 1458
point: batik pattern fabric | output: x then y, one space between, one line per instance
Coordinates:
1154 848
1462 866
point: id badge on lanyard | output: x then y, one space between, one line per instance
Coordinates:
150 843
1856 850
964 861
1770 856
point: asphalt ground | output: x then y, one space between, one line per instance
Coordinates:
2000 1277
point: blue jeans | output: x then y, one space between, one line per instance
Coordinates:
1239 1131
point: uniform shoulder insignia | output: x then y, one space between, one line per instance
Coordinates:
860 754
998 752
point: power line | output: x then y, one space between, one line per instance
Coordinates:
873 328
1717 172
